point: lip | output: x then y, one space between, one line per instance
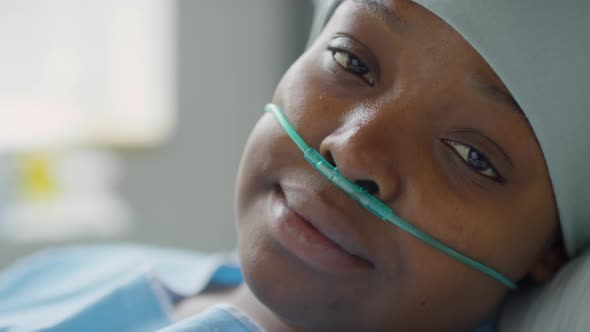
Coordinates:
315 233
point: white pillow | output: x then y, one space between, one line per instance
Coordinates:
562 305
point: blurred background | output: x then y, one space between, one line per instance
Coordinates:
125 120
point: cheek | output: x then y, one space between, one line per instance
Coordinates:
267 150
248 181
308 85
532 221
289 93
506 232
436 286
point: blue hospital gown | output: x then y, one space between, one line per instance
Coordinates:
129 288
114 288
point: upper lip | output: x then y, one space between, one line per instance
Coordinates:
319 210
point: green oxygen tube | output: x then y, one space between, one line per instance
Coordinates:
374 205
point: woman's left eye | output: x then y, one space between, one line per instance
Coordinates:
354 65
474 159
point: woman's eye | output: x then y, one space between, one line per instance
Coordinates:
474 159
353 65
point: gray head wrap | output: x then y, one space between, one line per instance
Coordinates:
540 49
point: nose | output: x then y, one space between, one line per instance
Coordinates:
359 155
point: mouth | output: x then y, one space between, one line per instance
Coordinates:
321 244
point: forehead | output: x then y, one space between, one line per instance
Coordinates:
405 18
393 21
385 11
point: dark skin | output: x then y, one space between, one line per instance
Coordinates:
395 97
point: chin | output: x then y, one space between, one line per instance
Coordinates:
292 292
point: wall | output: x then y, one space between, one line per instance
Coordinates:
230 56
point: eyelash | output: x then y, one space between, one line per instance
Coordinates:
481 164
345 59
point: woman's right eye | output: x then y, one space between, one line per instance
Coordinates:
353 65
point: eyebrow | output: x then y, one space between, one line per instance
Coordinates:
494 92
381 11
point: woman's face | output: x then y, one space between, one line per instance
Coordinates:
404 106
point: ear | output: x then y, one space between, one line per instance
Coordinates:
549 263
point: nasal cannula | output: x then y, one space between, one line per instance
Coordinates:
374 205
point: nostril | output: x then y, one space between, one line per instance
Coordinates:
330 158
370 186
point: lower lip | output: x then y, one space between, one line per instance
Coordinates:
303 240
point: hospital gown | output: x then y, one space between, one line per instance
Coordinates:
118 288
